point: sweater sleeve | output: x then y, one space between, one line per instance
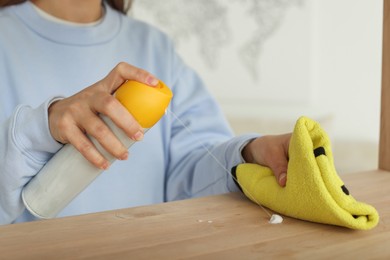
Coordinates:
203 149
26 146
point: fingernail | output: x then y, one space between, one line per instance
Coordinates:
282 178
138 136
151 80
105 165
124 157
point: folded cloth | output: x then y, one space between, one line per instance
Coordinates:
314 191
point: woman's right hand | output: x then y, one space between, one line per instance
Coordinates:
70 119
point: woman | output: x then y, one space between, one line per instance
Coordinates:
50 50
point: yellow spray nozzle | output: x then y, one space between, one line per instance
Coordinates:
146 104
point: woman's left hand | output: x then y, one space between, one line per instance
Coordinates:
270 151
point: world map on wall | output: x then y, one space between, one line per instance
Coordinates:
209 23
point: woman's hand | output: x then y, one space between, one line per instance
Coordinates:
270 151
70 119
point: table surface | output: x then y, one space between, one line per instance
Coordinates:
226 226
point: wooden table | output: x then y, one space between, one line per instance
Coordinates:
227 226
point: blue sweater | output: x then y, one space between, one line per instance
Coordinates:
41 60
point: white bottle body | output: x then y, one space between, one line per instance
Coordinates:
66 175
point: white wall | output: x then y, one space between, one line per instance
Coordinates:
271 61
348 61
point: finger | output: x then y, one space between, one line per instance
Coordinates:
95 127
112 108
279 165
281 177
124 71
277 160
81 142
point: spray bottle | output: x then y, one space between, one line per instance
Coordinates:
68 173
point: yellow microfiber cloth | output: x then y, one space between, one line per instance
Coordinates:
314 191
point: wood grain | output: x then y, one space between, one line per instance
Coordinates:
384 142
227 226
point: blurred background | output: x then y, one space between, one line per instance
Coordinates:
268 62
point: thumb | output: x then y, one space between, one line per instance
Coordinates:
280 172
